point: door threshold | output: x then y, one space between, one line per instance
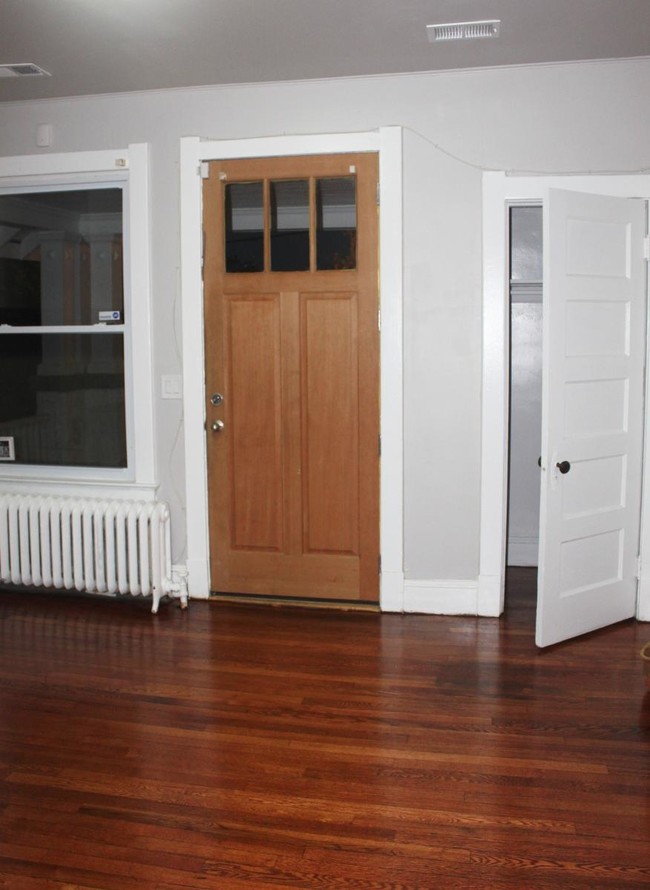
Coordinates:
254 599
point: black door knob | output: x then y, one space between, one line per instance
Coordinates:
563 466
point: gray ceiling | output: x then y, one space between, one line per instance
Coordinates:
109 46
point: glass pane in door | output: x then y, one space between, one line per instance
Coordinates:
336 213
245 227
290 225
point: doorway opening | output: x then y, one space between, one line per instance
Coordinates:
595 279
591 435
525 267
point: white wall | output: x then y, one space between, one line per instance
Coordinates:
442 343
525 432
558 118
526 264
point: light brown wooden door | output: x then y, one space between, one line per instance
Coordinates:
292 376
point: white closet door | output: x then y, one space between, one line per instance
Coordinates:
592 412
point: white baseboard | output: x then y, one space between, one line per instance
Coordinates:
523 551
441 597
446 597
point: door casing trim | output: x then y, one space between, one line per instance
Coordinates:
387 142
499 191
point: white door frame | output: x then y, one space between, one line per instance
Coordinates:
499 191
387 141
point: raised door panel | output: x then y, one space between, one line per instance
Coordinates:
254 412
330 423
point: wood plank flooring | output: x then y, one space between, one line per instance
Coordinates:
235 747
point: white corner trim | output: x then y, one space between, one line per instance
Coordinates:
196 491
441 597
140 334
489 594
495 407
643 602
193 152
198 578
391 591
391 283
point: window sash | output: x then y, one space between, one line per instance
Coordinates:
63 399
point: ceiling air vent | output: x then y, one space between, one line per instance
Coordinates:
23 69
463 30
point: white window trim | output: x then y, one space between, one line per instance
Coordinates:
387 141
129 165
499 191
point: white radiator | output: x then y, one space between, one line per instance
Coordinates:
98 546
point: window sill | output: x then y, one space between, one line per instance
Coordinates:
47 484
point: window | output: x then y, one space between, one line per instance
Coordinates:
74 298
62 327
312 224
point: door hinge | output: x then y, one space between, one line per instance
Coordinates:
204 170
379 444
378 194
379 319
379 564
646 247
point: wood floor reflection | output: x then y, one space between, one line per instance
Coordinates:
232 747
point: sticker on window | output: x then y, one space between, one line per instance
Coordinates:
7 448
110 315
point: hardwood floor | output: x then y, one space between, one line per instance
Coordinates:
235 747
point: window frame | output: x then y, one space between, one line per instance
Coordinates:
128 170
